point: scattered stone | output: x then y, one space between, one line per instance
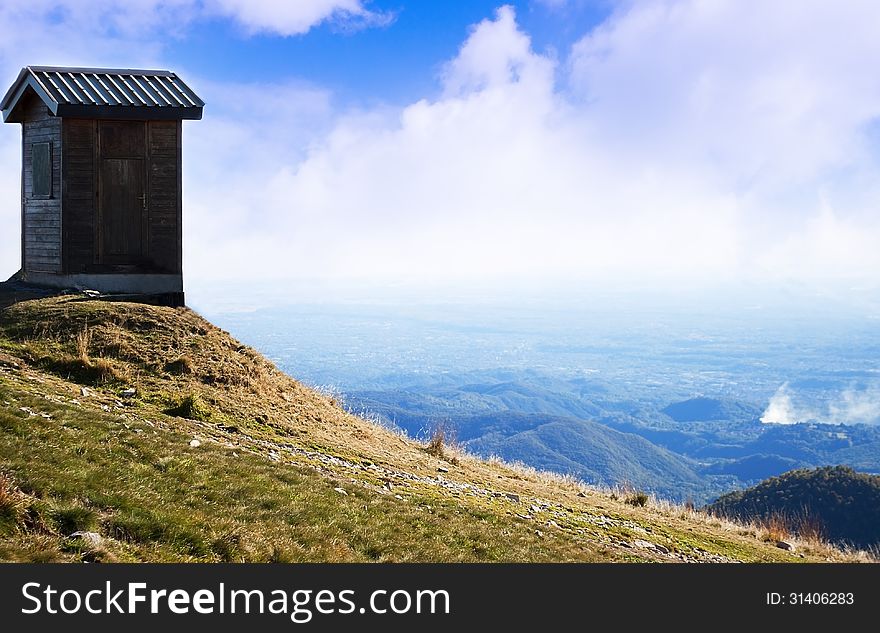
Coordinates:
539 534
92 539
512 497
131 392
194 443
341 491
582 494
387 485
93 294
788 547
440 469
85 392
661 548
552 523
105 407
644 544
398 497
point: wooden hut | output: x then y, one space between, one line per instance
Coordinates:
101 203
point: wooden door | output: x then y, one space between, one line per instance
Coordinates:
122 197
122 206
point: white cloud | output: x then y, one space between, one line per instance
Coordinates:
294 18
851 406
767 101
857 406
780 409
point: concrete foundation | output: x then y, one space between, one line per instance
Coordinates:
169 288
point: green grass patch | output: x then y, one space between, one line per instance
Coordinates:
191 407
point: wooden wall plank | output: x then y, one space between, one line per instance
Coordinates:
41 217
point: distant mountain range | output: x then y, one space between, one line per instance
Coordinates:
842 503
699 447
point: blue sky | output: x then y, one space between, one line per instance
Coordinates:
398 62
668 142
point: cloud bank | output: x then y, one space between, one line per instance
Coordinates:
679 141
851 406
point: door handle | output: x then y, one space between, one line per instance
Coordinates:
143 200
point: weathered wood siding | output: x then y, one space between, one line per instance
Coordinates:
79 194
83 237
41 216
165 195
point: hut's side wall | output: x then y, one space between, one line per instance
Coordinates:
41 216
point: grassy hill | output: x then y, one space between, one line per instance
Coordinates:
160 433
838 503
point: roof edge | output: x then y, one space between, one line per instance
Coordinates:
83 69
128 113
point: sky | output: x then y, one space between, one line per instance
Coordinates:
668 142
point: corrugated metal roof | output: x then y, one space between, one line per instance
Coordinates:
106 93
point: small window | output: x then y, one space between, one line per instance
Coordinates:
41 165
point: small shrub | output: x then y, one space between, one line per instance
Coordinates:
435 445
191 407
809 528
775 528
87 372
781 527
440 445
75 518
181 366
107 371
638 499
